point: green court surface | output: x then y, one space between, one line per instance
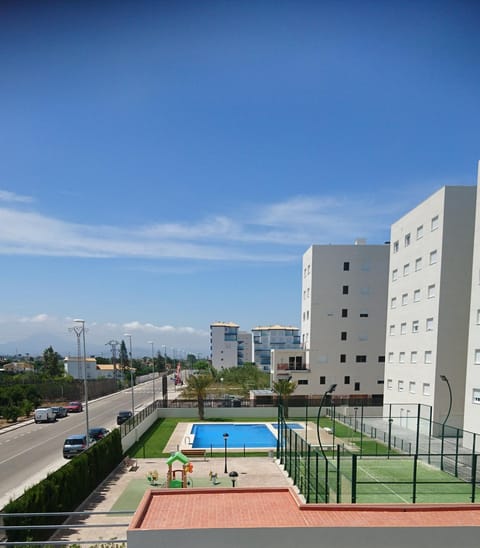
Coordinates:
381 480
133 493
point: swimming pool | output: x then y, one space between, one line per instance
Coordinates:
239 436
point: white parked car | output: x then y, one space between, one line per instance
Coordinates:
44 414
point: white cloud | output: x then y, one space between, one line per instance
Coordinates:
7 196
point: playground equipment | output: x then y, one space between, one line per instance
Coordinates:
186 468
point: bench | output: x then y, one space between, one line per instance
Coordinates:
328 430
130 464
195 453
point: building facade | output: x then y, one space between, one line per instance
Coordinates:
428 305
344 300
224 347
273 337
472 383
245 347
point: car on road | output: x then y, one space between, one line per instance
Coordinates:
60 412
75 444
98 433
74 407
44 414
123 416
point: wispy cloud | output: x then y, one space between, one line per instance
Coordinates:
280 231
7 196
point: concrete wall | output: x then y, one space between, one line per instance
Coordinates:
324 537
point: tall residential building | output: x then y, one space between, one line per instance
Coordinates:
344 301
273 337
472 384
224 344
428 305
245 347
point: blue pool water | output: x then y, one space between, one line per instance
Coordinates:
239 435
293 425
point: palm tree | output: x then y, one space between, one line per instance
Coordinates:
197 387
284 388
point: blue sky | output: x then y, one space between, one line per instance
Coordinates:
165 165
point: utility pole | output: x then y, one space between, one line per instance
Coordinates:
113 345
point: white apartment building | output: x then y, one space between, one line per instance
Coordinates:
224 344
245 347
74 366
344 302
273 337
472 383
428 305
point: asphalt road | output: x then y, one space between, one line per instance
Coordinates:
31 451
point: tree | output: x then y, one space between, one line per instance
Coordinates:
197 387
52 363
284 388
123 356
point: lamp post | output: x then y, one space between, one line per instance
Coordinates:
445 379
80 331
225 437
153 371
329 391
131 372
164 346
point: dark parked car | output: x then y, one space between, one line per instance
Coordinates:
98 433
74 407
75 444
123 416
60 412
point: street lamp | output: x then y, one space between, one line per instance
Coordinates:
225 437
164 346
131 372
329 391
153 371
80 331
444 379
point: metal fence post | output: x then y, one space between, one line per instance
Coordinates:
354 479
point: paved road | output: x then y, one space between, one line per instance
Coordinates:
30 452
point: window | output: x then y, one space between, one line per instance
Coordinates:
418 264
302 381
412 387
406 269
363 314
305 272
434 223
393 302
419 232
404 299
394 275
416 295
361 359
346 379
322 380
390 357
400 386
381 359
344 312
429 324
427 357
433 256
343 358
426 389
345 290
403 328
407 239
477 356
431 291
413 356
392 330
357 386
389 384
346 266
395 246
401 357
415 326
343 336
478 316
308 270
476 396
